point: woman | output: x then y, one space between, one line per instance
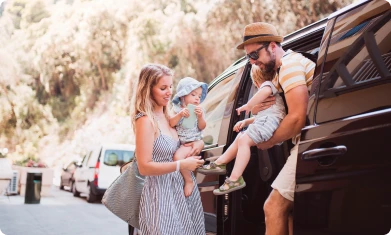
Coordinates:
164 209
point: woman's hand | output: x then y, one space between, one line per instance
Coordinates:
199 112
196 147
239 125
185 113
264 105
191 163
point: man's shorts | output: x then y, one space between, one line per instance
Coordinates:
285 182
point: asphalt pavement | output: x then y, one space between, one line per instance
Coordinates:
59 214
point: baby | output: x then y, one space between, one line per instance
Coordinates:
260 129
193 92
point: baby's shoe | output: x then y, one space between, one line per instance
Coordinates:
230 186
212 169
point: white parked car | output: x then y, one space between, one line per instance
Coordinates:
99 168
5 174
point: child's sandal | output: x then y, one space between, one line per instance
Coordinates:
232 186
212 169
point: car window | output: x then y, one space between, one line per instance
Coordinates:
218 107
357 67
117 157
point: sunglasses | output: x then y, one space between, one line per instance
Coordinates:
255 54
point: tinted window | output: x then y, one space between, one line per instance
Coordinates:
218 107
356 74
117 157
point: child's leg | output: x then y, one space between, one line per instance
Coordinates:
180 154
218 166
243 156
235 181
231 152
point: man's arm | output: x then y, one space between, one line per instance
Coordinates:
294 121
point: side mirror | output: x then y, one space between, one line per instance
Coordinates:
78 164
65 169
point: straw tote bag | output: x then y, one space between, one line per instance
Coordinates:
123 195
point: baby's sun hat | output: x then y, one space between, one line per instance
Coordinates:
187 85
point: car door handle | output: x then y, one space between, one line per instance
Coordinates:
315 154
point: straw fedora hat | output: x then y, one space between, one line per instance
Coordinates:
259 32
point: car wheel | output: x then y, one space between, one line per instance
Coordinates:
61 185
91 197
74 190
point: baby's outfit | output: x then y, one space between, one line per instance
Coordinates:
186 86
187 135
268 120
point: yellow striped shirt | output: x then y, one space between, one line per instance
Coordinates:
295 70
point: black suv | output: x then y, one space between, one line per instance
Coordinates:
344 163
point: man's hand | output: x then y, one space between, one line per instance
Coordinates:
196 147
264 105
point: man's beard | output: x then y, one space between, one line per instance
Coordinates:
269 67
268 72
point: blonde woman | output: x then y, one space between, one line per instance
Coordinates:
164 209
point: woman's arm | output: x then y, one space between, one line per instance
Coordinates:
144 147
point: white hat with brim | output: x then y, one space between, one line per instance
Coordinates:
259 32
186 86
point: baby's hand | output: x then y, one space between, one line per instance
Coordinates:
243 108
198 111
184 113
239 125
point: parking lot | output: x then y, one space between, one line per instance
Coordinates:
60 214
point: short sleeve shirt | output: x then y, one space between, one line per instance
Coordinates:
295 70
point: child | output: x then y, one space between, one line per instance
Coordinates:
189 91
260 129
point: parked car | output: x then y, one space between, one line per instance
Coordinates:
99 168
67 174
344 164
5 174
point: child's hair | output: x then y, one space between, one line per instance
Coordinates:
142 97
258 77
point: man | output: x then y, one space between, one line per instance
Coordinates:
293 75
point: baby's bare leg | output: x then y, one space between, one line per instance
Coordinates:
180 154
243 157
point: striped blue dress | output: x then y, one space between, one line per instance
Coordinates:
164 209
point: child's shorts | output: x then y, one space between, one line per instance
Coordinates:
262 128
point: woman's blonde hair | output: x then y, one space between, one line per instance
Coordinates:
143 101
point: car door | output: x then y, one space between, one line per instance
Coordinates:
81 178
344 164
218 107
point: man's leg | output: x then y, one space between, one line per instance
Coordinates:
279 205
277 210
